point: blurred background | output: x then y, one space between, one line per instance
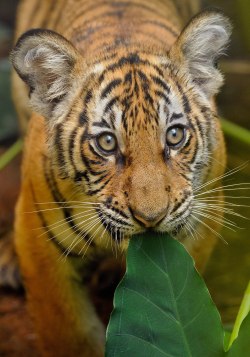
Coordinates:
229 269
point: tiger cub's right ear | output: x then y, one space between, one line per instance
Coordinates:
50 65
198 48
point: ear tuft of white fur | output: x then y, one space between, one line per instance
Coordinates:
45 61
200 45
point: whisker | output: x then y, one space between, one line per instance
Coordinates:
67 229
220 202
219 209
90 216
210 228
58 208
229 173
222 188
79 237
90 240
217 219
190 230
65 221
66 202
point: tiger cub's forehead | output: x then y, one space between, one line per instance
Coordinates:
135 94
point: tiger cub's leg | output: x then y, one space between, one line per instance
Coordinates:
63 315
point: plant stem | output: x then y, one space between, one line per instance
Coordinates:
10 154
243 312
235 131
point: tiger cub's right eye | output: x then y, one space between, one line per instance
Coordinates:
175 135
107 142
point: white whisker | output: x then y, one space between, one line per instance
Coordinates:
210 228
63 221
229 173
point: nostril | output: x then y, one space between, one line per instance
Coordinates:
148 220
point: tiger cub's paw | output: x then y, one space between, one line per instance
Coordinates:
9 269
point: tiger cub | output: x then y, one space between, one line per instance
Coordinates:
122 138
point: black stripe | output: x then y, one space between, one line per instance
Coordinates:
163 96
89 168
115 83
59 146
186 144
116 210
128 78
102 124
200 128
83 118
72 146
58 197
91 148
196 148
116 220
185 176
110 104
160 83
94 192
181 202
81 174
183 211
131 59
185 101
100 179
175 116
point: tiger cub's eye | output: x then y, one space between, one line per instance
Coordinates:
175 135
107 142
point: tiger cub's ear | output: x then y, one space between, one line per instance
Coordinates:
198 48
47 62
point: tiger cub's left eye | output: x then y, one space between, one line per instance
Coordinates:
107 142
175 135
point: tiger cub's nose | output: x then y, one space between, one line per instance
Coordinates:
148 220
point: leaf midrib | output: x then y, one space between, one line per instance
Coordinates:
172 296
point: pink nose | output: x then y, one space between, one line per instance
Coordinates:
148 220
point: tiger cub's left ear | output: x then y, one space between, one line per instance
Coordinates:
198 48
50 66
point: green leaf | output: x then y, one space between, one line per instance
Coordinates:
243 312
162 306
241 346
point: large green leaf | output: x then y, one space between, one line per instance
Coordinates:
162 306
241 346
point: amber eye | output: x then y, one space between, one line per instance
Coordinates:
175 135
107 142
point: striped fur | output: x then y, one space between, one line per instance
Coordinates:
126 69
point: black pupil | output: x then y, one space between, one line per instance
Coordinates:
109 139
175 132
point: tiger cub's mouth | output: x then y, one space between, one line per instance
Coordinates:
121 225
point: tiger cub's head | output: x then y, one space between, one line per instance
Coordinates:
134 129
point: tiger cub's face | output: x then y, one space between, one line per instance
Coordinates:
137 129
145 145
